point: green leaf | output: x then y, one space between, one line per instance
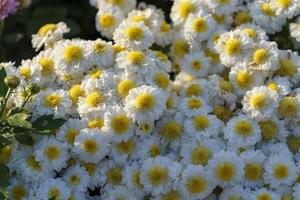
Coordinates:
24 139
3 87
2 196
48 123
4 141
19 120
4 170
4 175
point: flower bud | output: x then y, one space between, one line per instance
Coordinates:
12 81
33 88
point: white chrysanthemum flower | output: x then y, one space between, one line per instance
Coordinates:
91 145
29 73
235 192
150 146
289 107
18 189
164 35
288 8
160 79
51 153
51 101
260 102
289 65
69 131
222 7
279 84
257 33
273 129
254 168
280 170
198 27
265 57
203 126
117 123
121 192
233 47
196 87
181 9
77 178
94 120
101 53
158 174
196 64
263 14
263 193
194 106
215 36
199 153
242 131
145 102
108 18
53 188
124 5
296 193
134 36
93 101
123 151
227 168
49 34
244 79
295 30
196 182
170 194
132 178
161 60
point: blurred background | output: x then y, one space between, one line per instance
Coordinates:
78 14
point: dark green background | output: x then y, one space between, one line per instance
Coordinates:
78 14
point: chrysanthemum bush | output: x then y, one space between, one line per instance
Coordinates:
204 107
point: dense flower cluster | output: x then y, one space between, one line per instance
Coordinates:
216 117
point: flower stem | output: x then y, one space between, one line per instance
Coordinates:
8 93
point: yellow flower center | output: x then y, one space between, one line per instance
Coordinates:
33 163
180 47
161 80
293 143
199 25
225 86
120 124
250 32
145 102
90 146
75 92
220 19
163 57
136 179
70 135
273 86
157 175
287 67
253 171
95 74
223 1
264 196
94 99
134 33
288 107
74 179
222 113
233 46
172 130
124 87
193 90
25 72
214 57
19 192
145 127
107 20
196 65
135 57
196 184
243 128
244 79
154 150
126 147
46 29
225 171
170 102
5 153
54 193
165 27
47 65
172 195
267 9
73 53
280 171
116 2
200 155
52 100
99 48
90 168
269 130
114 175
52 152
241 18
96 123
284 3
185 8
258 101
260 56
201 122
194 103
